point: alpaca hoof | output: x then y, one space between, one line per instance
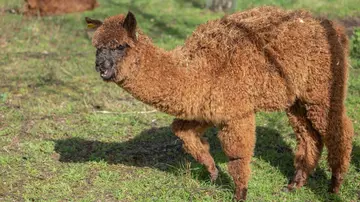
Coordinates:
214 175
286 189
240 194
293 186
333 190
298 181
335 184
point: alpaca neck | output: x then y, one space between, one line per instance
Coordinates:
157 78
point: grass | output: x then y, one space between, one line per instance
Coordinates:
56 146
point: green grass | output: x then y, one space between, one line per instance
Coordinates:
56 146
355 48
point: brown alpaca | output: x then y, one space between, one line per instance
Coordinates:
263 59
56 7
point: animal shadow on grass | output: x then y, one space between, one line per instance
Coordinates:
356 157
155 148
271 147
159 148
152 148
195 3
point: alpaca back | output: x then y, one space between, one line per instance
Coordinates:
265 56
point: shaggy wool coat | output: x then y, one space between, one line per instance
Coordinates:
57 7
263 59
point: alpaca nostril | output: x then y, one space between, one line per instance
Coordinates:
107 64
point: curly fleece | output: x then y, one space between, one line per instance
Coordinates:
263 59
56 7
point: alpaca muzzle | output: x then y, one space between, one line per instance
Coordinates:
106 69
106 61
105 65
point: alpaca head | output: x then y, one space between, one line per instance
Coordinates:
112 39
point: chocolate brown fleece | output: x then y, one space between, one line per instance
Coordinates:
263 59
57 7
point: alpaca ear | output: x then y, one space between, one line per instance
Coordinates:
93 24
31 3
130 25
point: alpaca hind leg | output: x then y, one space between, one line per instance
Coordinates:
337 131
309 145
338 140
190 132
238 141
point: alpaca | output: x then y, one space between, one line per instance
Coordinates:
56 7
263 59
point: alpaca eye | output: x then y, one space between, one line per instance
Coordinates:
121 47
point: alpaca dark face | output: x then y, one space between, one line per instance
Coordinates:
107 59
112 38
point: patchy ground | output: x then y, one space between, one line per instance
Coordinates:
350 23
65 135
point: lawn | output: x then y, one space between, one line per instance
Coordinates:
65 135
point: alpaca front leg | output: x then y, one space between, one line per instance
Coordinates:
190 133
238 141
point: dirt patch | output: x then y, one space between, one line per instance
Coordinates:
3 42
350 23
4 10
